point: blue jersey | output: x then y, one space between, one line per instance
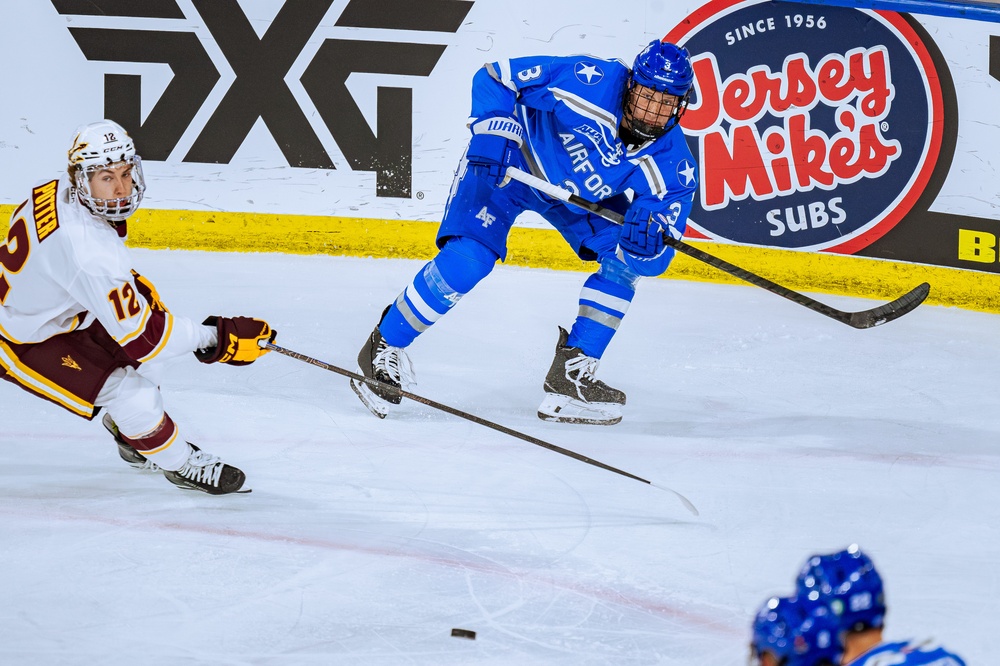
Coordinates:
908 653
571 108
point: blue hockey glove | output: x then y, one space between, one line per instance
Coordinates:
494 141
642 233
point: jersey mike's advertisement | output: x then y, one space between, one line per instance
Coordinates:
835 129
814 127
829 130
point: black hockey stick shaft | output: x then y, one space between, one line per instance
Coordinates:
468 417
863 319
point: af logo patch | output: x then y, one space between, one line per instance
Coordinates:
814 127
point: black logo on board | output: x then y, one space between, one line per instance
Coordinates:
259 90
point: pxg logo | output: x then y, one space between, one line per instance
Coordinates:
260 91
815 127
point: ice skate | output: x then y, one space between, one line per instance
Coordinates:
126 450
573 394
207 473
389 365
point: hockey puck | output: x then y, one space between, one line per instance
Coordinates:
463 633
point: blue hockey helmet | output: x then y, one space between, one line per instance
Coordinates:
658 89
795 632
665 67
849 584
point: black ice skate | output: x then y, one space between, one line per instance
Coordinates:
389 365
126 450
573 394
207 473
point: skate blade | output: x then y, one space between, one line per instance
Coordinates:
563 409
192 488
375 404
143 466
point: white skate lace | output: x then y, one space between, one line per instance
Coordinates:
203 468
583 367
394 362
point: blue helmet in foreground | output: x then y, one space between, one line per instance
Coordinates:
658 90
796 632
849 584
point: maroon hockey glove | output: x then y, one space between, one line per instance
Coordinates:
239 339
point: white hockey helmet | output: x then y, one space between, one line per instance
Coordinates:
100 145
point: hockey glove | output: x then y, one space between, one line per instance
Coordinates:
239 339
642 232
494 141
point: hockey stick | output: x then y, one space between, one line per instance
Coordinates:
864 319
470 417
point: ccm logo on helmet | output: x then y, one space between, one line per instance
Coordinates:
811 131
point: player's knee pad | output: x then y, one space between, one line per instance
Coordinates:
616 272
463 262
134 403
460 265
651 266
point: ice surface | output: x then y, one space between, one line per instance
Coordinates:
367 541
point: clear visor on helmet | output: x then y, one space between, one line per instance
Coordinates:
650 113
111 191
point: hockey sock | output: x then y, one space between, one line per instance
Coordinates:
436 289
136 407
161 445
604 300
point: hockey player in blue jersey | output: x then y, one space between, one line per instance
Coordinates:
848 583
597 128
794 631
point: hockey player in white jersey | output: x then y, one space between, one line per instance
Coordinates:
82 329
597 127
850 586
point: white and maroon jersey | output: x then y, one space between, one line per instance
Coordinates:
62 268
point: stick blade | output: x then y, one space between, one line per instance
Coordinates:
890 311
688 504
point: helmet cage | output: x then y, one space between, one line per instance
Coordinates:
659 70
111 210
98 146
640 98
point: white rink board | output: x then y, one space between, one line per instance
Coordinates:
52 88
